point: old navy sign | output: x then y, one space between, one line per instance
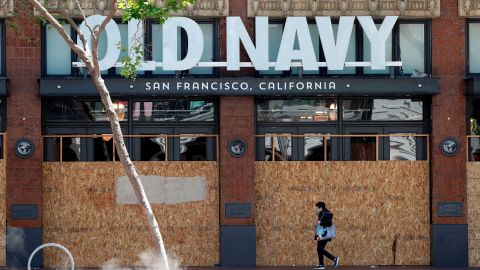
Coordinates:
296 28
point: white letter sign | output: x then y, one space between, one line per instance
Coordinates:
113 39
335 52
296 26
237 32
195 43
377 38
335 47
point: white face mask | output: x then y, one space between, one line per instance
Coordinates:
317 210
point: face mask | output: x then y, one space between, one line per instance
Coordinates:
317 210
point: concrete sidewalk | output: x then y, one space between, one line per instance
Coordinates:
329 267
279 268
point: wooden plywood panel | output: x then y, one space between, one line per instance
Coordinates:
375 223
473 202
3 212
80 212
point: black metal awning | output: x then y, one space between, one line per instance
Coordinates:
245 87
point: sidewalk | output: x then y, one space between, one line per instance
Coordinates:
339 268
280 268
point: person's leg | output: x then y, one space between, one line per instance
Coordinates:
320 251
335 260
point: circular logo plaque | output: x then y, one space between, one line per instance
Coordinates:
24 148
449 146
237 147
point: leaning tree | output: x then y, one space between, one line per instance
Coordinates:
55 13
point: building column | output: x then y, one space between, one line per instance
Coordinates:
237 174
449 188
24 175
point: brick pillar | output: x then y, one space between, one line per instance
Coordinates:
448 119
237 175
24 176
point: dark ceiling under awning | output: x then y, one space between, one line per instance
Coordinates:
472 86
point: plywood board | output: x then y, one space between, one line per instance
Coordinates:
381 210
81 213
473 202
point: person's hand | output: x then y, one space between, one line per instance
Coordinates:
318 222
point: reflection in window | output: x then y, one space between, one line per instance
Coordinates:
412 47
382 110
314 148
297 110
193 148
363 148
78 110
474 47
278 148
58 54
474 149
153 149
403 148
103 149
174 110
70 149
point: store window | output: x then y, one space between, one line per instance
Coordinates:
408 42
473 47
412 48
369 109
58 58
155 130
323 129
173 110
83 110
209 47
297 110
57 54
2 49
473 107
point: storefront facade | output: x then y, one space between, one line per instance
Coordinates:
237 158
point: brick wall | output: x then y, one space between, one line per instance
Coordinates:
237 175
448 109
24 176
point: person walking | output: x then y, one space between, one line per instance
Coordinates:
325 220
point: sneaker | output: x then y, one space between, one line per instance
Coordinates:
319 267
336 262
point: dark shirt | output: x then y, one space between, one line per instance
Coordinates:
325 218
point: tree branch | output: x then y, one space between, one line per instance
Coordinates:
73 45
75 27
84 17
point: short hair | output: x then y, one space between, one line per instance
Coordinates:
320 205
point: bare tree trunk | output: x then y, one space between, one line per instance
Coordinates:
91 62
129 166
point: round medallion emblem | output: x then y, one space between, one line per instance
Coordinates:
237 147
24 148
449 146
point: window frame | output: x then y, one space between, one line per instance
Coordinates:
359 55
147 41
343 127
130 127
467 47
